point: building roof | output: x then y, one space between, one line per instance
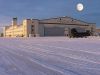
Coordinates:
65 20
67 17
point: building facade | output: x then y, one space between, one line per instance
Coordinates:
60 26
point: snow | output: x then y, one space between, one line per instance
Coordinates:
50 56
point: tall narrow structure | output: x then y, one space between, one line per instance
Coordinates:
14 21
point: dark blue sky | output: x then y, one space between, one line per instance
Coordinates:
41 9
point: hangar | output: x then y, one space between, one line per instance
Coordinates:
63 26
59 26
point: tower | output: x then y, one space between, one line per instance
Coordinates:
14 21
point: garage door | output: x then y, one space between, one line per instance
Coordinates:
53 31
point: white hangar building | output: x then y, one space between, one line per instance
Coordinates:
60 26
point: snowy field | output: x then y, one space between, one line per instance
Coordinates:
50 56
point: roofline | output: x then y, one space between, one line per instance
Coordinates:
67 17
31 19
97 28
63 24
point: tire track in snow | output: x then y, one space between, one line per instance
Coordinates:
66 71
41 67
62 67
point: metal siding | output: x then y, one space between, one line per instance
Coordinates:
53 31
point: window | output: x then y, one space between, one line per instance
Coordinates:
32 29
32 21
72 20
32 26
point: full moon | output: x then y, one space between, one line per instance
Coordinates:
79 7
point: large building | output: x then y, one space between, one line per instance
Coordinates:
60 26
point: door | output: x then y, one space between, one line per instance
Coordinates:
54 31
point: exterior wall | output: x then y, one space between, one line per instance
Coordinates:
27 27
23 30
41 29
14 31
54 31
97 30
64 27
66 23
31 27
97 33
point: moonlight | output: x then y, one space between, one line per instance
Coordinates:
80 7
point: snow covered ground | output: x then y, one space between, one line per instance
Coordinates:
50 56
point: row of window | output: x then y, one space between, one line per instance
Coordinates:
32 29
21 35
